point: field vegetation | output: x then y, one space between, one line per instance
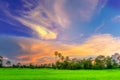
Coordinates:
52 74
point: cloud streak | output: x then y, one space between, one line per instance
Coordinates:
46 24
60 13
99 27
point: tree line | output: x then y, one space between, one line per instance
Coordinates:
65 62
100 62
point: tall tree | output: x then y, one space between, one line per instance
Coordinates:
56 54
62 58
59 55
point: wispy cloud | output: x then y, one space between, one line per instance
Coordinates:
87 10
116 19
45 18
99 27
39 20
60 13
91 8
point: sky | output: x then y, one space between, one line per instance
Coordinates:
32 30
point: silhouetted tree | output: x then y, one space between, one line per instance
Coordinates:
1 61
109 62
56 54
100 62
31 66
66 63
62 58
19 65
88 64
8 63
115 64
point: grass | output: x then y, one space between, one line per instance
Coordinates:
50 74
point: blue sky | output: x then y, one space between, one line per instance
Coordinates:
32 27
80 17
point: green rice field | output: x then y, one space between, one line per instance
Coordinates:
50 74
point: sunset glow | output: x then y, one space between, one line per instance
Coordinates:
32 30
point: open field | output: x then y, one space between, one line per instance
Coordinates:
49 74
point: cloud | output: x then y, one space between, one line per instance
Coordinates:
39 20
116 19
45 18
28 50
60 13
81 35
86 11
90 8
40 31
101 4
104 44
80 10
99 27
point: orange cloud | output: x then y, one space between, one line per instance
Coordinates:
43 52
